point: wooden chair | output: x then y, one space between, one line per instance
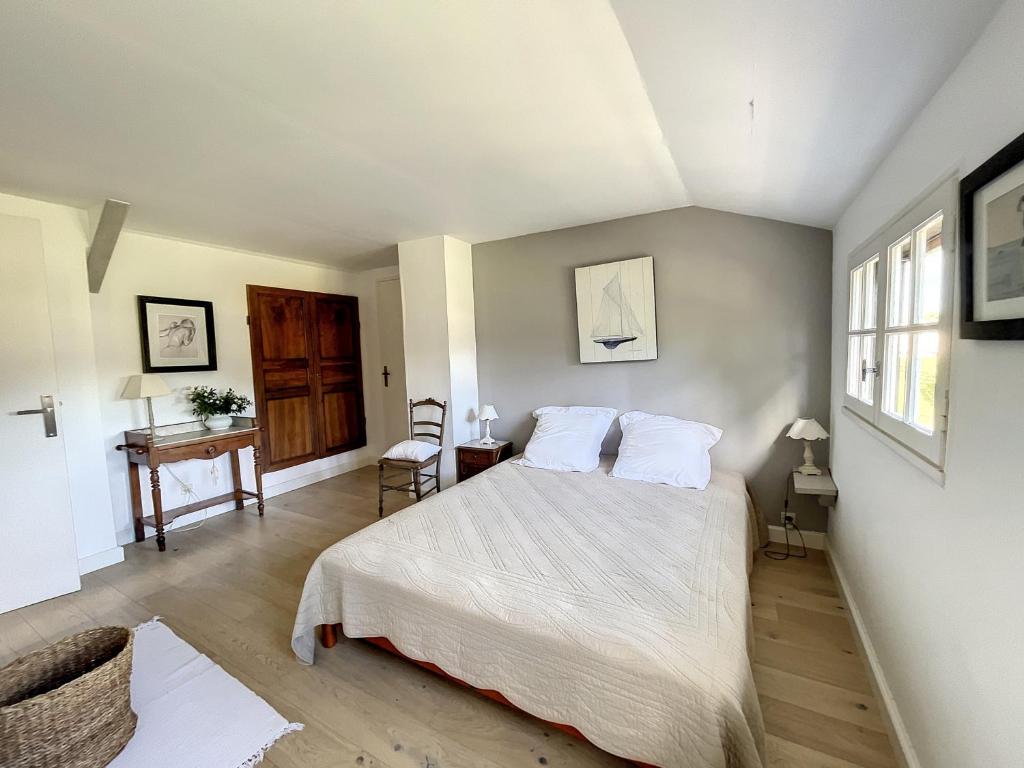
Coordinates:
418 430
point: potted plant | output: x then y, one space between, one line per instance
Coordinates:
215 407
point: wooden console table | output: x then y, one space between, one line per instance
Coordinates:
188 440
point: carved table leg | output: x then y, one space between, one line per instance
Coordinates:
158 508
136 495
258 469
236 479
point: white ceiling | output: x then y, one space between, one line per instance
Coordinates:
329 131
834 85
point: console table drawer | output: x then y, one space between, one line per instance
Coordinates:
206 450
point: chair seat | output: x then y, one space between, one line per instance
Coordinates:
404 464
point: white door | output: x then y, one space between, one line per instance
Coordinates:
37 535
392 349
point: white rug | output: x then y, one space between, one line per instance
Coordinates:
193 714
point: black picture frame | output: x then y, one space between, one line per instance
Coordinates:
148 365
1006 159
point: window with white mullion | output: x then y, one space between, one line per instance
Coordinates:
900 321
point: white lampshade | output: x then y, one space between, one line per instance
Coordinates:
487 413
144 385
807 429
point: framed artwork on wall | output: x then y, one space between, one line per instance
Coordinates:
992 247
177 335
615 311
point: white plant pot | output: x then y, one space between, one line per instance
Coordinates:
220 421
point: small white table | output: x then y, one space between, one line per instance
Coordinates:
821 486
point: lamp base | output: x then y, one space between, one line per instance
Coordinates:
487 439
808 467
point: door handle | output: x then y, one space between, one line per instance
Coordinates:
47 412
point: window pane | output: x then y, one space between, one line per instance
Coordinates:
929 273
922 406
867 380
870 294
896 368
853 367
900 283
857 298
861 355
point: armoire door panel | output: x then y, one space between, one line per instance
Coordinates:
339 373
286 378
289 431
336 318
284 322
342 421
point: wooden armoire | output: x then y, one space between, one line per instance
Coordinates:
307 374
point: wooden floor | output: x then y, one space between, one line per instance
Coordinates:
230 588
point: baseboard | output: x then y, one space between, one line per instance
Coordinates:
905 754
100 560
271 489
812 539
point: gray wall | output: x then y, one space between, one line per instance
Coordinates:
744 321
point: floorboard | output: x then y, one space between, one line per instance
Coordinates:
363 707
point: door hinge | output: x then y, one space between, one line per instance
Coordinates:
248 320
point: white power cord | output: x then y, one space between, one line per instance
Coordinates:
187 488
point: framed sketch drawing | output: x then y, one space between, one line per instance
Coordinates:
177 335
615 311
992 247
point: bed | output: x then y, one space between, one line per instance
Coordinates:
616 607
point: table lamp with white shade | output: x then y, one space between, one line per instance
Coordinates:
487 414
148 386
807 429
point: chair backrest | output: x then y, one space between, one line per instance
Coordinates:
431 430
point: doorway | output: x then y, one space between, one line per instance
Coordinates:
392 355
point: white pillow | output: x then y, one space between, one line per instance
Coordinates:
663 449
568 438
412 450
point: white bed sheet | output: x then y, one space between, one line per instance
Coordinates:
618 607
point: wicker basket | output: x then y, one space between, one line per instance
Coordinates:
69 704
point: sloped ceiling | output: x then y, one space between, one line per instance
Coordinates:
330 131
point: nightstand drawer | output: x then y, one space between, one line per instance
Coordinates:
477 458
473 458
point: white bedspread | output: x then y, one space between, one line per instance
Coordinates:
615 606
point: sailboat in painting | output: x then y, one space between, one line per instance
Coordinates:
616 322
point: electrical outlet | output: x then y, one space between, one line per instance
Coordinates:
789 518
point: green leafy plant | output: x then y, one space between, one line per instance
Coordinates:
208 401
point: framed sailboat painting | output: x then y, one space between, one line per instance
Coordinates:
615 311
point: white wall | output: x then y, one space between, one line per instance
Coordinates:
440 334
65 242
149 265
937 571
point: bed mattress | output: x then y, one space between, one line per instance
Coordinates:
618 607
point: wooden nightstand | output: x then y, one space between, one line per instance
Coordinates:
474 457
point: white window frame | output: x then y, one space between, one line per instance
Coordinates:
930 448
